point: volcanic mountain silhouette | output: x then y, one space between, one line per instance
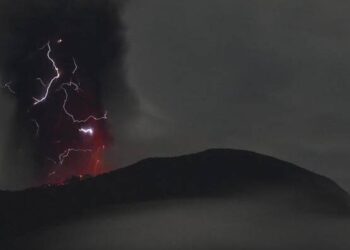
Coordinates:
214 173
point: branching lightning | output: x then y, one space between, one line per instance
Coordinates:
8 86
75 86
75 120
57 76
70 84
62 157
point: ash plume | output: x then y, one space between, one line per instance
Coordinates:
78 47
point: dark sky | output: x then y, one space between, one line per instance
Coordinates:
268 76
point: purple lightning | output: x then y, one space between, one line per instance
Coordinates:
104 117
89 131
68 151
52 86
70 84
57 76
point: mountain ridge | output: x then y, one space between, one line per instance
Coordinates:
211 173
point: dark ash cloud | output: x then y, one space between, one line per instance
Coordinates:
93 33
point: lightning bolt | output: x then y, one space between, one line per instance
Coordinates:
8 86
75 66
104 117
41 82
47 89
70 84
89 131
62 157
57 76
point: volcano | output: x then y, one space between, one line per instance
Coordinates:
215 175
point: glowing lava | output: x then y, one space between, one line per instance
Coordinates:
69 153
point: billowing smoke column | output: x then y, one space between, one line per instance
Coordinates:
57 65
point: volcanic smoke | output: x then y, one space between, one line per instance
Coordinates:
61 60
88 152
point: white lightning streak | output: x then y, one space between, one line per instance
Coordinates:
70 84
41 82
89 131
8 86
68 151
104 117
75 66
47 90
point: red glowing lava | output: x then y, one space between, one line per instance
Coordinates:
82 163
71 123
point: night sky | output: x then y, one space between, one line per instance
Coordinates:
267 76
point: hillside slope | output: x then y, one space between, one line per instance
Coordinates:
212 173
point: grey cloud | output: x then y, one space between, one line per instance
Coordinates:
266 76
